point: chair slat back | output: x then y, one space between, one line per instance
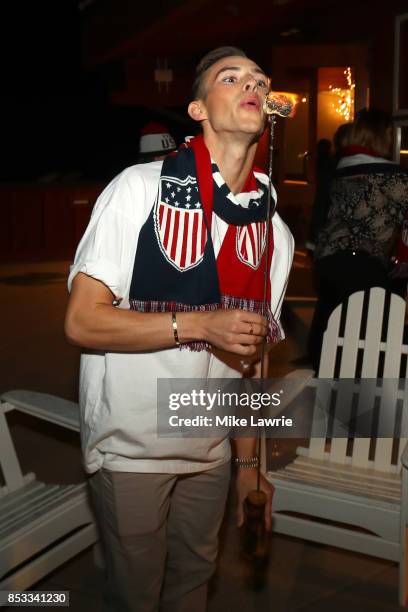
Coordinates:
392 367
327 365
372 339
395 333
369 368
338 451
330 345
363 353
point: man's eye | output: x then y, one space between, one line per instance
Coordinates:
262 83
229 79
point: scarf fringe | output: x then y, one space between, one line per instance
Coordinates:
228 302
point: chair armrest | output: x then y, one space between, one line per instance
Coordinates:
43 406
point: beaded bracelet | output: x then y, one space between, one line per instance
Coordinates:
175 331
246 462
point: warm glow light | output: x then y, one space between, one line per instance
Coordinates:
304 99
404 152
345 101
293 182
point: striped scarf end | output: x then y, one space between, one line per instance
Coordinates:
196 346
155 306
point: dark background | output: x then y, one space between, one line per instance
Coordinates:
56 115
62 63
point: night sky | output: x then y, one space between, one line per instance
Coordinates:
55 118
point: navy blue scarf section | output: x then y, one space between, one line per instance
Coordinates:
159 281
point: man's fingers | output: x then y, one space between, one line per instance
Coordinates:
252 317
247 339
243 349
251 330
249 320
255 329
236 331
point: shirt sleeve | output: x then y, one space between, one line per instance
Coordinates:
106 251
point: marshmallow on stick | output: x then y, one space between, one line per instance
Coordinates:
280 103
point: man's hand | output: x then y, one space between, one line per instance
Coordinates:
246 482
237 331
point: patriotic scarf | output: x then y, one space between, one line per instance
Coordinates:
175 268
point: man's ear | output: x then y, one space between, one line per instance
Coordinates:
196 110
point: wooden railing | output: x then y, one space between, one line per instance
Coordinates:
44 221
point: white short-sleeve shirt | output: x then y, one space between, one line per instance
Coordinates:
118 391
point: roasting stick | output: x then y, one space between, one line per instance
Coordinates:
282 104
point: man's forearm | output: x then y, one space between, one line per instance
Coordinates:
112 329
245 447
93 322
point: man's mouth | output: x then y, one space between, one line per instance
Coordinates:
251 102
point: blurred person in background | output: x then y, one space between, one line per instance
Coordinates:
155 143
326 163
368 203
325 166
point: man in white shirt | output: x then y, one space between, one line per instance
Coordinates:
173 259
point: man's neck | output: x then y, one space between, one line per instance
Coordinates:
233 157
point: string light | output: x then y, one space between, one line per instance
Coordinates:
345 101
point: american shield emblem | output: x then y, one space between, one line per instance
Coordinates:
179 222
250 243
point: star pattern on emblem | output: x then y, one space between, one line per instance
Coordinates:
182 197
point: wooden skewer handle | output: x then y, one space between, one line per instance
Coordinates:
255 536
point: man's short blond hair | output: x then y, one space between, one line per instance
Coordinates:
206 62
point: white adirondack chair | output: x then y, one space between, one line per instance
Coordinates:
41 525
366 486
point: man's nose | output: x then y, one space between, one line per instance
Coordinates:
250 84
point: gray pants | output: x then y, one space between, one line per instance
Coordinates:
160 534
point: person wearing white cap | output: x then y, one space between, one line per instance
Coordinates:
167 281
155 142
